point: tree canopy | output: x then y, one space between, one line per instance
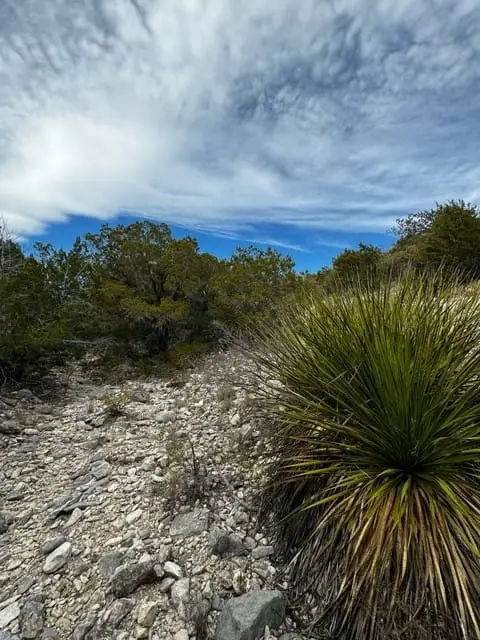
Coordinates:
136 290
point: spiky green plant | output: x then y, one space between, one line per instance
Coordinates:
374 476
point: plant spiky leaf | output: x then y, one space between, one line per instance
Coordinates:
374 475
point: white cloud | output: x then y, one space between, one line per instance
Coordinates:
223 115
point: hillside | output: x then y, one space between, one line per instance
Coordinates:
84 492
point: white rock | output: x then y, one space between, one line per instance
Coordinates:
57 558
8 601
133 516
246 432
77 515
166 416
146 558
165 584
235 420
100 469
181 635
147 613
180 592
262 552
9 614
141 632
173 569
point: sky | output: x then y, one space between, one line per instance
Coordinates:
307 125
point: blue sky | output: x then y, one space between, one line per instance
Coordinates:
305 124
309 253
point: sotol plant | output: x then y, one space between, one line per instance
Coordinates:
374 479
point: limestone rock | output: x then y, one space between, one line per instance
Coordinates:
235 420
128 577
262 552
76 516
51 544
180 591
165 584
147 613
57 558
32 617
81 630
133 516
8 614
100 469
96 501
228 545
189 524
97 421
117 612
173 569
109 562
166 416
245 617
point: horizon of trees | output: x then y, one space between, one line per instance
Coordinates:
144 296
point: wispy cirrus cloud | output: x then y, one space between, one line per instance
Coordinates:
339 114
333 244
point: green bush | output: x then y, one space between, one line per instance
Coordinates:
146 287
32 328
354 263
447 236
250 286
132 297
374 484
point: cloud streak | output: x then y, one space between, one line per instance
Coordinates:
340 114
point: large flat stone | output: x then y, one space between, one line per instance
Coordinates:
189 524
245 617
110 562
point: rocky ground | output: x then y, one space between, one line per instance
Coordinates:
128 512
